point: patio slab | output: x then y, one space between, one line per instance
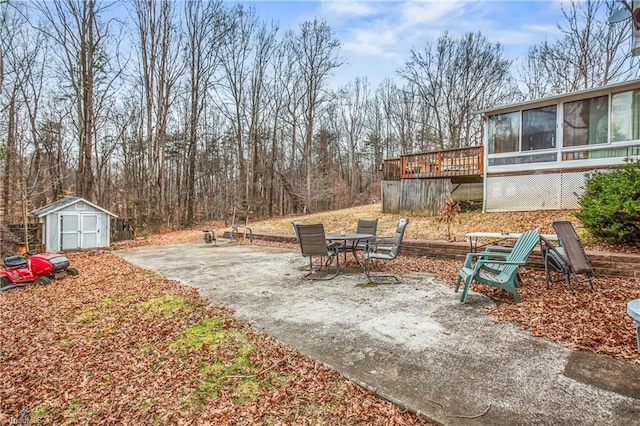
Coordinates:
412 343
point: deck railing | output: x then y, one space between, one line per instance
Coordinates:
436 164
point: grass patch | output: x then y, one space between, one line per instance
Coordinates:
93 313
87 317
106 301
231 368
208 333
41 411
75 411
167 305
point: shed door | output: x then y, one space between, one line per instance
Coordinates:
69 231
89 231
79 231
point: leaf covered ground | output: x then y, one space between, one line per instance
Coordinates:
120 345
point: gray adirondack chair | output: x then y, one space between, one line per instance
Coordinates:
498 268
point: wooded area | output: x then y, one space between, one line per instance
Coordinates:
171 113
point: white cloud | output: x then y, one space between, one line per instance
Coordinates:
347 8
378 31
428 12
373 42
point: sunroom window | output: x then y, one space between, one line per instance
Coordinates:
504 132
625 116
539 128
585 122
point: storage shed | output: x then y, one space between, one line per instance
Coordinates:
73 223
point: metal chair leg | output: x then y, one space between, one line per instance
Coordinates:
392 278
324 266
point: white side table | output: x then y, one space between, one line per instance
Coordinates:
633 309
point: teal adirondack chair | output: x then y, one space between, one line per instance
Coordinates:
498 268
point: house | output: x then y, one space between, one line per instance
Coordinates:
536 155
73 223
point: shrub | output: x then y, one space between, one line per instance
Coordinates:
610 205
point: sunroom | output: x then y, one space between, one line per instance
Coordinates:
538 154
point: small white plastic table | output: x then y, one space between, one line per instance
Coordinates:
633 309
497 237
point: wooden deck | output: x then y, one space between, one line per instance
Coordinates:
461 164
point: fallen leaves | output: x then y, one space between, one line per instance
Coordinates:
118 344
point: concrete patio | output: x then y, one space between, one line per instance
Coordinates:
412 343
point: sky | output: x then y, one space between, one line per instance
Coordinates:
377 36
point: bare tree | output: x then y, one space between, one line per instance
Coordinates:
265 48
247 53
399 107
455 78
160 68
205 25
590 53
237 60
353 104
288 94
82 41
23 181
315 49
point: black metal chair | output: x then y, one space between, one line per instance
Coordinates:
313 243
385 248
568 258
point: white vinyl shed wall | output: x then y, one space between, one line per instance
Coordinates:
74 224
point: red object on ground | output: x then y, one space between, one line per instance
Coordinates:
38 268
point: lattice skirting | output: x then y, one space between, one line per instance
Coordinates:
549 191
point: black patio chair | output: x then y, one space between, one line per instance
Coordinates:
313 243
568 258
385 248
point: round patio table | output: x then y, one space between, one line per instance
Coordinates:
354 238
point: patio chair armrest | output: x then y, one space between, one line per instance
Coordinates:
468 261
498 249
481 262
381 240
485 254
548 245
372 244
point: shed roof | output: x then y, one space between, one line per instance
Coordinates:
66 202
